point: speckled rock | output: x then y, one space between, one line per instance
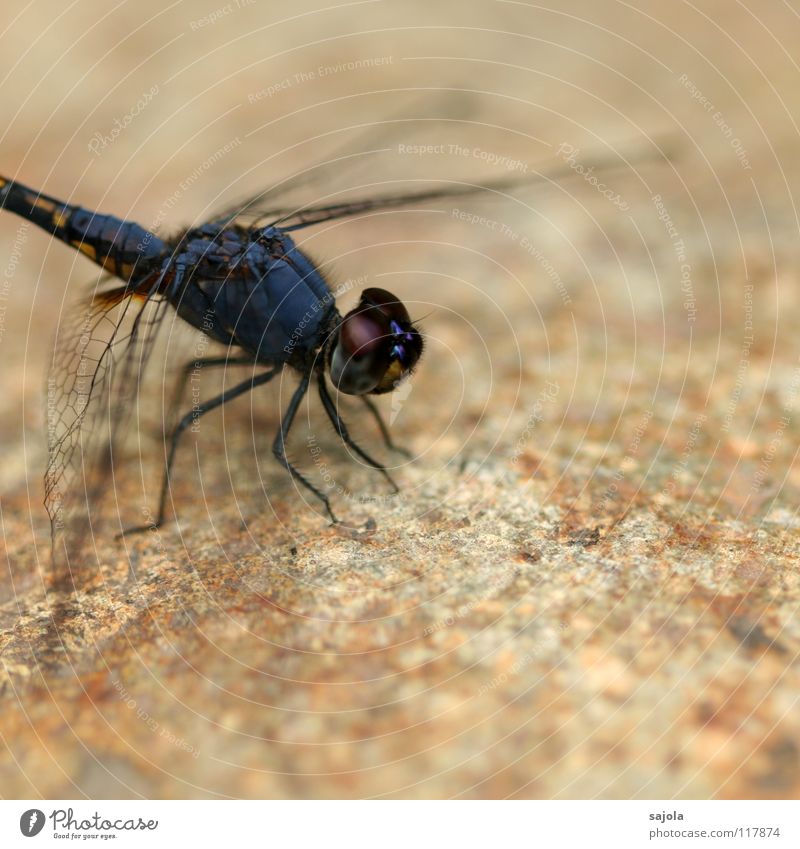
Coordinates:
588 586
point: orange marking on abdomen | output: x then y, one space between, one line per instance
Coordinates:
60 218
46 205
85 248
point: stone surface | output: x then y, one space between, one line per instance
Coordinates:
589 585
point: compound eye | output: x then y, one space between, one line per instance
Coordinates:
388 304
361 353
377 346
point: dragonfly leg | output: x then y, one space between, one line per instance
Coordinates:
387 437
189 367
191 417
341 429
279 447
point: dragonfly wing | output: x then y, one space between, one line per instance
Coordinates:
248 210
308 215
101 349
342 164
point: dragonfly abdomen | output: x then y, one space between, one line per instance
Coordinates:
121 247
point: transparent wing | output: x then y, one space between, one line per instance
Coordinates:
372 138
247 210
101 349
258 212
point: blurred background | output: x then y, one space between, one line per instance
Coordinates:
588 586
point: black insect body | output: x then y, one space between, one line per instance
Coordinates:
251 290
246 286
256 292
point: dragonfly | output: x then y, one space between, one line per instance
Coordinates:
242 281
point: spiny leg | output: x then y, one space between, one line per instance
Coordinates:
279 446
387 438
341 428
192 416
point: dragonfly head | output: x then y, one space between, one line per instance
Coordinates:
375 347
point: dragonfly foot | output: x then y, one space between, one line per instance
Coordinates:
138 529
331 516
391 481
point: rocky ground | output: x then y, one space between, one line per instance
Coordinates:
588 586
